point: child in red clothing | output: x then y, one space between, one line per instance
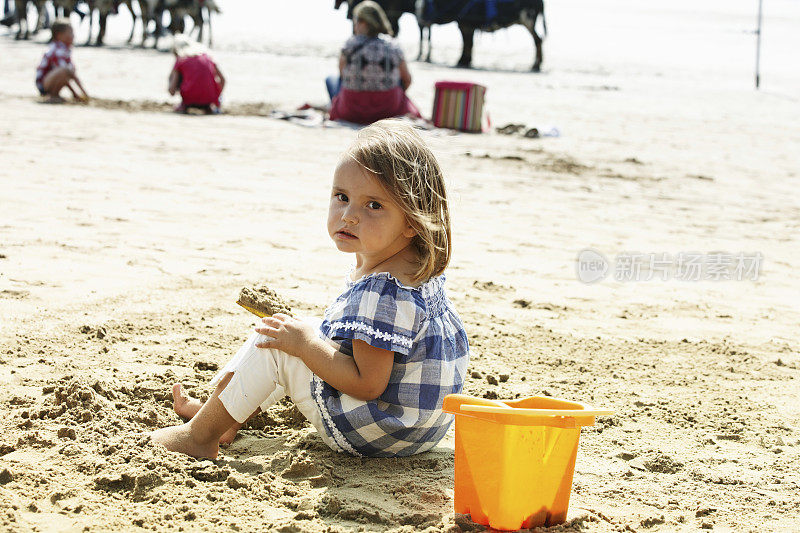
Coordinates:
56 70
196 76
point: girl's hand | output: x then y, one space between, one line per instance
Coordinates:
290 334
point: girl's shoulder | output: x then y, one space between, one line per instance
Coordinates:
353 41
58 48
386 278
383 287
393 45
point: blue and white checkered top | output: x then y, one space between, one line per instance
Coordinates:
431 352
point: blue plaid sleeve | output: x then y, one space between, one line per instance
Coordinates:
380 313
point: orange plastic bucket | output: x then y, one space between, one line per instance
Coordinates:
515 459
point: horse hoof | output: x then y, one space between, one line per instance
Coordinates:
536 68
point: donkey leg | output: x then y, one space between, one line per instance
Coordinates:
145 23
467 32
421 37
210 37
428 57
129 3
528 19
20 13
26 20
91 22
144 14
159 16
537 63
101 31
43 20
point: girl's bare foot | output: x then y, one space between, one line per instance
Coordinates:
184 405
229 435
179 439
199 437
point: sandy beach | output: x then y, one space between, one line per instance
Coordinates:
126 232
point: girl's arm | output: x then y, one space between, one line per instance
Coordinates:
220 76
174 82
363 376
405 75
342 63
85 96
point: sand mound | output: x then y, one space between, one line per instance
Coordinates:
278 472
252 109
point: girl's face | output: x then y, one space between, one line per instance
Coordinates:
67 37
362 218
360 27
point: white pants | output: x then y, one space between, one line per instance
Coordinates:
262 377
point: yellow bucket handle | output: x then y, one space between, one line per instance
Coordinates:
535 412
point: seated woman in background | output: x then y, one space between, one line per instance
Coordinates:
374 73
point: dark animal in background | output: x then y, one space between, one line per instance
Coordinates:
9 17
105 8
64 8
21 14
151 11
424 28
485 15
198 10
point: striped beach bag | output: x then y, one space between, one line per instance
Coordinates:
458 105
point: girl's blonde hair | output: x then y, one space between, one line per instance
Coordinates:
408 170
183 46
375 17
59 25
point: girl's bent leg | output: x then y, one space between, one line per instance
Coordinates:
186 407
200 436
334 85
55 80
295 380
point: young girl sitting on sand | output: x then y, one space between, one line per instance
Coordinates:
196 76
372 377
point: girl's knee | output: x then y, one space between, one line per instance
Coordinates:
63 73
223 383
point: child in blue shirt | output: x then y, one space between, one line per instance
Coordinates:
371 377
